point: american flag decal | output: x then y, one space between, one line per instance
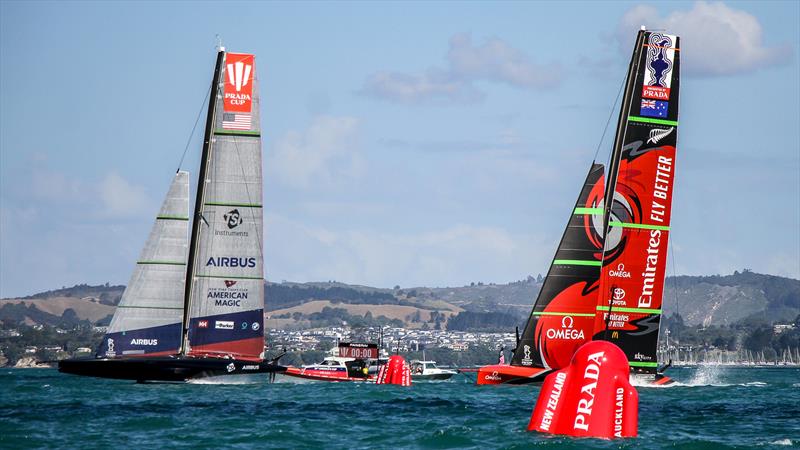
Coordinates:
236 121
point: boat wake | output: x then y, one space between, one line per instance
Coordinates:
706 376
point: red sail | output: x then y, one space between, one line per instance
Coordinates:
635 253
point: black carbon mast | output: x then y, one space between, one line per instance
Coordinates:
198 203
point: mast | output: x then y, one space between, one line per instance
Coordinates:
198 203
619 136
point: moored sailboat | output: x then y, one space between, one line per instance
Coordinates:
194 306
606 280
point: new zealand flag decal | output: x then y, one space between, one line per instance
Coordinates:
654 108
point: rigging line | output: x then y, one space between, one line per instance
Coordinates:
674 279
250 200
610 115
196 121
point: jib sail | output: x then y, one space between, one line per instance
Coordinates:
641 178
563 315
147 320
226 299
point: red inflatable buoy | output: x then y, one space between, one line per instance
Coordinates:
395 371
591 397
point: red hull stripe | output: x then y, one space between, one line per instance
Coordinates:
242 349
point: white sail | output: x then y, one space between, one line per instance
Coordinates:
226 308
149 316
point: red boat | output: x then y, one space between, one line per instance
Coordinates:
350 361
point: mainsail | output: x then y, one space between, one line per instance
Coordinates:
641 179
225 302
148 318
563 314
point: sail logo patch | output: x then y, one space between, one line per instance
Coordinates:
238 91
658 68
657 134
566 331
227 296
232 219
225 261
202 324
620 272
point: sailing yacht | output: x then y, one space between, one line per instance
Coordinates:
606 280
194 306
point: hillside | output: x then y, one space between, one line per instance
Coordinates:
701 300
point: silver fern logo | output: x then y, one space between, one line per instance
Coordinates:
657 134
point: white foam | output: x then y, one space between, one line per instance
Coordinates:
782 442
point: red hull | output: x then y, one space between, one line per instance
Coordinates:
505 374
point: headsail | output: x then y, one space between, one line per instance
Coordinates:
226 300
635 253
563 315
148 318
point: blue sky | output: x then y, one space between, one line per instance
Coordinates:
412 143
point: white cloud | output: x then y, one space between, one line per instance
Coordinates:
321 155
497 61
493 61
121 198
432 86
715 39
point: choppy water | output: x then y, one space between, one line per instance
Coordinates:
711 408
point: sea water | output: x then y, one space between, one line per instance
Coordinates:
709 407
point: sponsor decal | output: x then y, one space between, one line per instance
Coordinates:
552 401
232 220
238 91
619 272
654 108
619 397
139 341
223 325
202 324
244 325
615 335
110 345
657 134
641 357
618 295
493 377
230 367
230 261
228 295
256 326
586 399
566 331
250 367
658 73
526 356
616 320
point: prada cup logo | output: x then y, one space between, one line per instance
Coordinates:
110 345
239 74
526 359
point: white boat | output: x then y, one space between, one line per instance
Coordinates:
427 370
